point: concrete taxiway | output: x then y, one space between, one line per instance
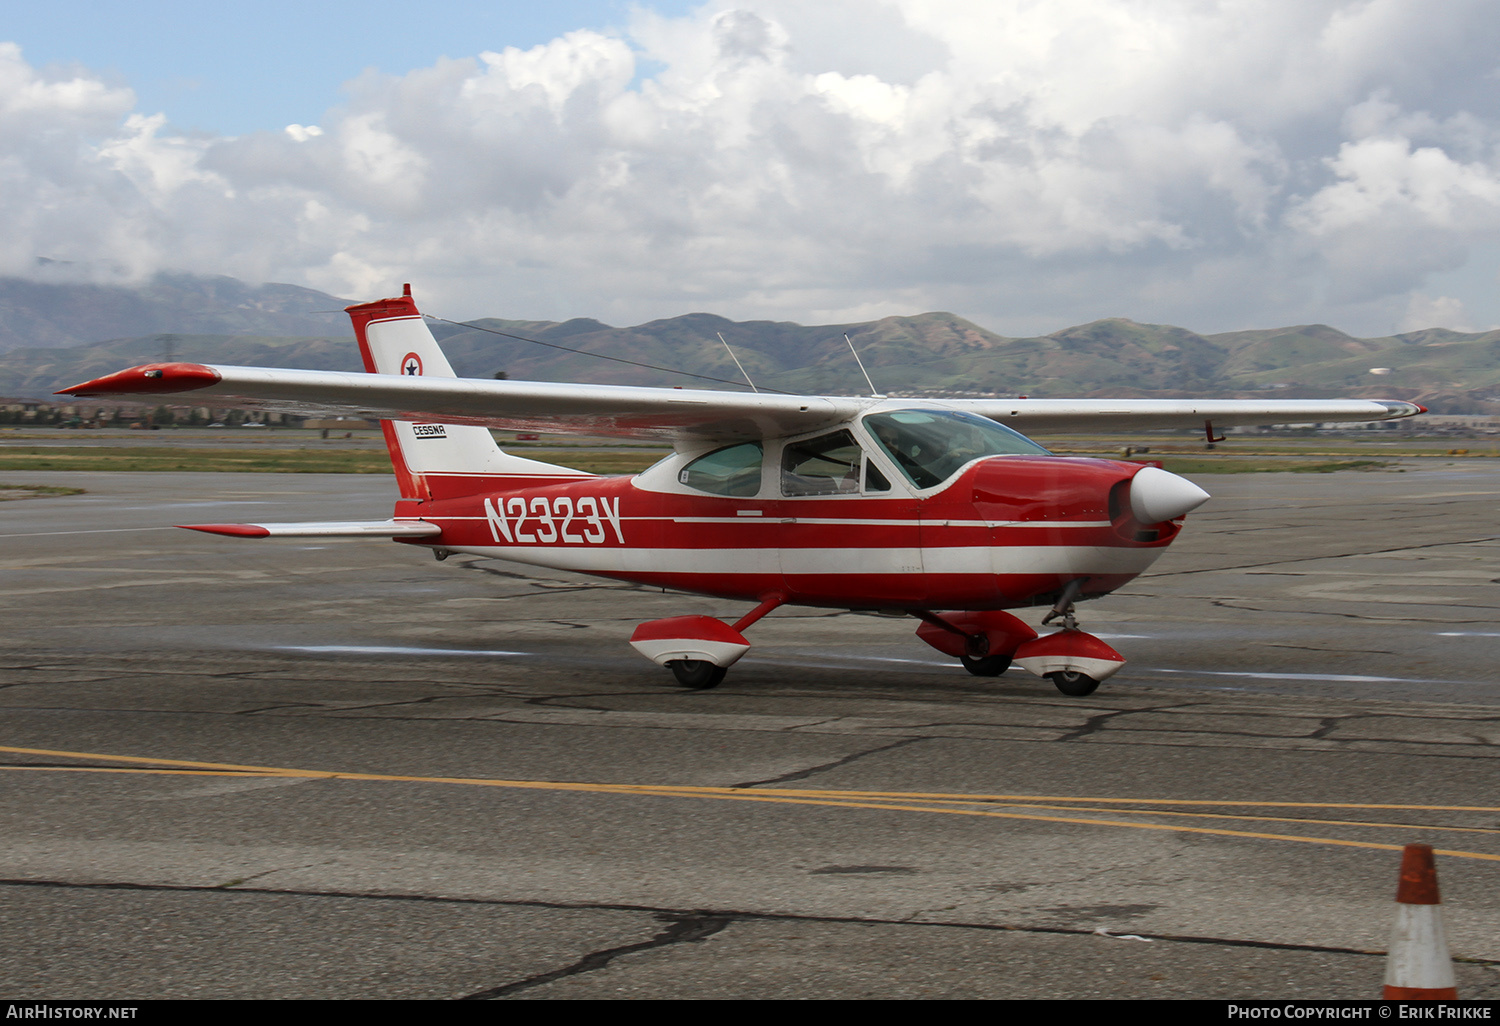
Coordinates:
341 769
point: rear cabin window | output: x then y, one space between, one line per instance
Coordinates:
733 470
930 446
827 465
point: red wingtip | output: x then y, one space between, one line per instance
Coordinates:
149 379
1420 407
231 530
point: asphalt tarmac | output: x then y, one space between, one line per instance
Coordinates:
377 775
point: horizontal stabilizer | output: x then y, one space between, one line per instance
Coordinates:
325 529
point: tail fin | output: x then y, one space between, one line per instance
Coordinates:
434 460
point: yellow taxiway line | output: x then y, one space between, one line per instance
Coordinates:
945 804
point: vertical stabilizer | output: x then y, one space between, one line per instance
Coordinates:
434 460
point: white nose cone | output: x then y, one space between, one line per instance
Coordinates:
1156 495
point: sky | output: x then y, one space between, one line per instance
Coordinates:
1215 164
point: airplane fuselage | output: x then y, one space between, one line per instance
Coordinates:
1007 531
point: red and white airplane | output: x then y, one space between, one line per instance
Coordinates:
937 508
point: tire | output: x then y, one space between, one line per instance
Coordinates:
986 666
698 674
1073 684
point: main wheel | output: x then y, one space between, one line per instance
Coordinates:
1073 683
698 674
986 666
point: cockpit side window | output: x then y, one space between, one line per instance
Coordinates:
733 470
827 465
930 446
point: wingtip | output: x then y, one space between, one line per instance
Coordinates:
148 379
229 530
1401 408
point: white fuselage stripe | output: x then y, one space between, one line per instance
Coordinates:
958 559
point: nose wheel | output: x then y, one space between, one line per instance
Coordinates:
1075 662
1073 683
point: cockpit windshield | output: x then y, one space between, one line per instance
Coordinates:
931 445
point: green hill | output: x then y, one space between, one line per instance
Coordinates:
930 353
51 314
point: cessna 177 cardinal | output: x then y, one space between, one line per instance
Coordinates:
937 508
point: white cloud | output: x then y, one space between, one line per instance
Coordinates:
1434 312
1029 165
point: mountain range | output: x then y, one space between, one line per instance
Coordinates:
55 334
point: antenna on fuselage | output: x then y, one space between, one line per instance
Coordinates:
873 394
737 363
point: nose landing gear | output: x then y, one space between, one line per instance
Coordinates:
1063 607
1073 660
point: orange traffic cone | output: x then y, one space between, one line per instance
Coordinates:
1418 965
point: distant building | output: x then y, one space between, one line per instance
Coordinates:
1476 422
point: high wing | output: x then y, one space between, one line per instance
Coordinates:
420 387
609 410
656 413
1041 416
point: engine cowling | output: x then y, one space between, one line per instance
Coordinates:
1061 489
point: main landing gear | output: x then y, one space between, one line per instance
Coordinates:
985 666
698 650
988 642
1073 683
698 674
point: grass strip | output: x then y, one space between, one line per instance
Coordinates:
1241 465
9 492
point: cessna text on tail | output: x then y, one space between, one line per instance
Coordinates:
942 509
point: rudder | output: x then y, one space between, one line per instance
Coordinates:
432 460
